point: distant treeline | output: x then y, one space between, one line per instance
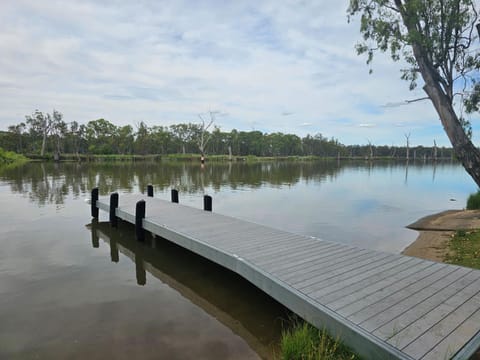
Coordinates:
49 134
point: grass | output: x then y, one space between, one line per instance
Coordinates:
303 341
465 249
473 201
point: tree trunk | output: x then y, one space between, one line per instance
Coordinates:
44 141
464 149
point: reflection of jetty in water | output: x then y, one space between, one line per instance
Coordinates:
236 303
51 183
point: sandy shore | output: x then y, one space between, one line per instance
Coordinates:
435 232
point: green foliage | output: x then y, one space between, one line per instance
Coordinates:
305 342
101 137
465 249
442 32
9 157
473 201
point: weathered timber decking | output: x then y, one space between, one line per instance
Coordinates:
382 305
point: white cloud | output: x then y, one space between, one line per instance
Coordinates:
164 62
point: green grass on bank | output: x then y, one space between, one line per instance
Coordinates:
9 157
465 249
473 201
305 342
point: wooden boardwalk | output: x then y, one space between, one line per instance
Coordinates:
384 306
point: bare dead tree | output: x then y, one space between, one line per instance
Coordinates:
370 157
407 137
205 136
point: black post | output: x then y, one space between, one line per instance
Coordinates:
207 203
139 216
175 196
113 208
93 203
150 190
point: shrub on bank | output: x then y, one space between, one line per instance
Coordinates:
9 157
473 201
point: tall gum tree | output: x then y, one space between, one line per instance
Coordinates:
438 39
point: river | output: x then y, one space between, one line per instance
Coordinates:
70 288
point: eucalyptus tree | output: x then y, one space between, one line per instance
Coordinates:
438 40
40 125
18 132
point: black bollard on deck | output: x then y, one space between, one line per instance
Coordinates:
113 208
175 196
93 203
139 216
150 190
207 203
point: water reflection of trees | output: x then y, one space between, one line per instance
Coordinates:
52 182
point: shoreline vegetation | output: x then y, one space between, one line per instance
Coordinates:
210 158
303 341
10 157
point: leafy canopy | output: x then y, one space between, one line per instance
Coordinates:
444 31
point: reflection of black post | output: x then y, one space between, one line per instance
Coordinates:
207 203
113 250
139 270
139 216
150 190
175 196
113 208
93 203
95 239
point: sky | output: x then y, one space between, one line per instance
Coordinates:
287 66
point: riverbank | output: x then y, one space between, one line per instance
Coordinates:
437 231
210 158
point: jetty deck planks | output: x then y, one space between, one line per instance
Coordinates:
384 306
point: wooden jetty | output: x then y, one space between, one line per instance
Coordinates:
384 306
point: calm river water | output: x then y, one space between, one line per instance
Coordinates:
70 288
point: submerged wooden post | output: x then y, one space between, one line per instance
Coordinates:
150 190
139 216
113 208
93 203
207 203
175 196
